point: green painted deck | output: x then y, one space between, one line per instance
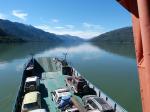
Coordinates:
51 80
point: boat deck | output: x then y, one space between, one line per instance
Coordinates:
51 80
49 70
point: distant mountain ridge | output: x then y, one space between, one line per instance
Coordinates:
124 35
17 31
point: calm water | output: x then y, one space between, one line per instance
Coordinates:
110 67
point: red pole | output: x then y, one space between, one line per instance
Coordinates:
144 16
140 10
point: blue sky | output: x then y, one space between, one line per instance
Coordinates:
84 18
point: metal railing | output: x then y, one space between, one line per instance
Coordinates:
101 94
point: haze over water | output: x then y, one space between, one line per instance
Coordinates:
112 68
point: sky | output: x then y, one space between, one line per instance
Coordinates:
83 18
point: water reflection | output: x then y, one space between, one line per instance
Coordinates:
122 49
113 69
84 52
3 65
14 51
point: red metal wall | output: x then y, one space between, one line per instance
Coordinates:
140 10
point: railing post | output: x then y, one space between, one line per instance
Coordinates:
99 93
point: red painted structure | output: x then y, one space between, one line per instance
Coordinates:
140 10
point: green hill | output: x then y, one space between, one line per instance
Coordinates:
122 35
4 37
18 32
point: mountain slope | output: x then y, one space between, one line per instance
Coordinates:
119 35
4 37
29 33
2 33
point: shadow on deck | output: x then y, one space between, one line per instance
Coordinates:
38 69
44 94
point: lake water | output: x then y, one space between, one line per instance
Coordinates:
111 68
